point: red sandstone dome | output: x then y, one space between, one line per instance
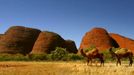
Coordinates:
18 39
123 42
99 38
48 41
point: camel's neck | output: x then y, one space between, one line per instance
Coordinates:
83 53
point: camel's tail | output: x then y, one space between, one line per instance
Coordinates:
83 53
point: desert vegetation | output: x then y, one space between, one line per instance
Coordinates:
59 54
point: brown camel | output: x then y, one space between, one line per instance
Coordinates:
93 55
118 56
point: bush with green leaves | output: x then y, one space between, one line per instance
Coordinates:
75 57
37 57
13 57
59 53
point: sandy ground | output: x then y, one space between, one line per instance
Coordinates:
63 68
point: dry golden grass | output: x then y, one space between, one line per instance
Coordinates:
62 68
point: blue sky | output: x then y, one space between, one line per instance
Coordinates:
69 18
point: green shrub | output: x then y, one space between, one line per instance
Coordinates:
37 57
13 57
75 57
59 53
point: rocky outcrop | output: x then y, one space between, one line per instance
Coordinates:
99 38
48 41
70 46
18 39
123 42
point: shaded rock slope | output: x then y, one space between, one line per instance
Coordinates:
123 42
24 40
48 41
18 39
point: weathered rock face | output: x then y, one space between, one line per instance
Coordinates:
1 36
18 39
123 42
99 38
70 46
47 42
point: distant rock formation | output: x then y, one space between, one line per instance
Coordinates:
18 39
48 41
123 42
24 40
70 46
99 38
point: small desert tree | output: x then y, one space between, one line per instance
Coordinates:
59 53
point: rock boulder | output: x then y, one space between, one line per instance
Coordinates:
18 39
99 38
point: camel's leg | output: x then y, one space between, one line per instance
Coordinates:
118 61
131 61
102 62
88 61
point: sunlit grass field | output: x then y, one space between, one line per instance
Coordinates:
63 68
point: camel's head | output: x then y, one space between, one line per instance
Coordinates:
83 53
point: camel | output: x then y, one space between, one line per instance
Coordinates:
118 56
93 55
